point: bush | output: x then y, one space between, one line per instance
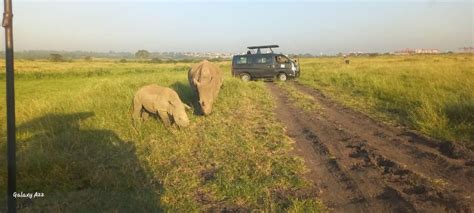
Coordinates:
142 54
373 54
54 57
156 60
215 59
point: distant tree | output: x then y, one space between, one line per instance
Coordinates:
54 57
156 60
142 54
373 54
218 59
189 60
88 58
123 60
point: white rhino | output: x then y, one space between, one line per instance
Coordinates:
159 100
206 80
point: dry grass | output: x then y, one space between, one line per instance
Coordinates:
432 94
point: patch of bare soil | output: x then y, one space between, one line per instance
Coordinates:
362 165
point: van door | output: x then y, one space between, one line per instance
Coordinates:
264 66
283 64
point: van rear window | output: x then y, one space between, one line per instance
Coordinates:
242 60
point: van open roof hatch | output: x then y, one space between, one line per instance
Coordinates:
263 47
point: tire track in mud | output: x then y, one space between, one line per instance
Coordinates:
361 165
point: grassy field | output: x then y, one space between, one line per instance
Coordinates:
77 144
430 93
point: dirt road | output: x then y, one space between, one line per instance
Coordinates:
361 165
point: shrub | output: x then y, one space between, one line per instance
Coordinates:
54 57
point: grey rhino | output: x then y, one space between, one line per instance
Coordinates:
206 80
159 100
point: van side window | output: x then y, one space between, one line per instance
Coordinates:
264 60
242 60
282 59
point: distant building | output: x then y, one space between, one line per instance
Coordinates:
467 49
207 55
408 51
405 51
426 51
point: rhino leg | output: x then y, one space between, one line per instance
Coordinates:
145 115
137 108
165 118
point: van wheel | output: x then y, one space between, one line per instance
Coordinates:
281 77
245 77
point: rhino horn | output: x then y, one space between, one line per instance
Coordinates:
186 106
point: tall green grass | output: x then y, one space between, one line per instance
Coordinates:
430 93
78 145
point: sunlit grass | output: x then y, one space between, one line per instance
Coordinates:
432 94
300 99
77 143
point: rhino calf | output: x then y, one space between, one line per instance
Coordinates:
206 80
162 101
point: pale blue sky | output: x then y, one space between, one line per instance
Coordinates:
231 26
